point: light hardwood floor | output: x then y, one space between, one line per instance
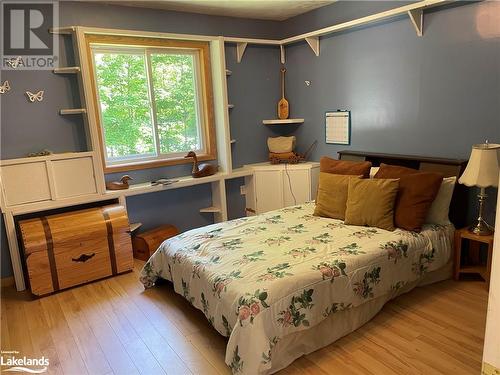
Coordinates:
115 327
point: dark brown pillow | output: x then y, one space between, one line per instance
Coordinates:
417 191
390 171
345 167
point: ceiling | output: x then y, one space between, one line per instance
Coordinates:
277 10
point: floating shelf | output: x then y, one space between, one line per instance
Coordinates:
74 111
228 72
62 30
211 209
134 227
67 70
413 10
241 172
283 122
230 106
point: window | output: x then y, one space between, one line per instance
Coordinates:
154 100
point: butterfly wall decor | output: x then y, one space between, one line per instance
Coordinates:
5 87
15 62
35 97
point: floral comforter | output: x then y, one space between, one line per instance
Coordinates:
260 278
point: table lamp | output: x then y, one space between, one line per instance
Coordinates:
482 171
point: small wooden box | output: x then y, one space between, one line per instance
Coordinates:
145 244
76 247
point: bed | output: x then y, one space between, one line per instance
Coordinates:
286 283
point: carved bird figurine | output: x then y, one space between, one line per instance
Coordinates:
119 185
201 170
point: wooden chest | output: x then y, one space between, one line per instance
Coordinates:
145 244
76 247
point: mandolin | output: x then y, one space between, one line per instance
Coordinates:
283 108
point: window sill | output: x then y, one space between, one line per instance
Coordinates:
155 163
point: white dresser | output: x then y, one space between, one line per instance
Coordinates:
276 186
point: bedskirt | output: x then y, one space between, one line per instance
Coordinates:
338 325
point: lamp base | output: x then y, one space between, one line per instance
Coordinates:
481 228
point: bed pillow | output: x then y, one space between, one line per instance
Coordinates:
371 202
345 167
332 195
440 208
373 171
417 191
389 171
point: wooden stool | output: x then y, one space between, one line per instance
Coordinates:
475 242
145 244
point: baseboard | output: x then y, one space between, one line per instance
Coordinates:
7 281
489 369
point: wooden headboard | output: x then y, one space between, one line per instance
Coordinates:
448 167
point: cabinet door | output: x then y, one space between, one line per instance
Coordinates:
268 190
25 183
296 186
74 177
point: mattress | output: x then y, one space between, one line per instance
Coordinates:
269 278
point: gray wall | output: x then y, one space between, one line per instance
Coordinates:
254 95
435 95
27 127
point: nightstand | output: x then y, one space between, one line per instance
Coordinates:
473 255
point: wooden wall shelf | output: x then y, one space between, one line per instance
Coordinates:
283 122
211 209
67 70
73 111
413 10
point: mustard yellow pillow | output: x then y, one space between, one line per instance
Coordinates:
371 202
332 195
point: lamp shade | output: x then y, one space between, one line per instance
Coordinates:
482 169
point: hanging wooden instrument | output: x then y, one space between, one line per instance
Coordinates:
283 108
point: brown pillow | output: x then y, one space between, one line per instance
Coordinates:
393 171
371 202
348 167
417 191
332 195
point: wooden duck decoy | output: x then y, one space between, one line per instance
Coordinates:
119 185
201 170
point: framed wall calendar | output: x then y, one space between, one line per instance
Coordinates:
338 127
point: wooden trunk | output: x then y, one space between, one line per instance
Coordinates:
145 244
76 247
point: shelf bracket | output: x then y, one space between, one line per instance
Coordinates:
240 50
417 19
282 54
313 42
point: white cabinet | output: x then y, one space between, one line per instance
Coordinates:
50 178
25 183
276 186
74 177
